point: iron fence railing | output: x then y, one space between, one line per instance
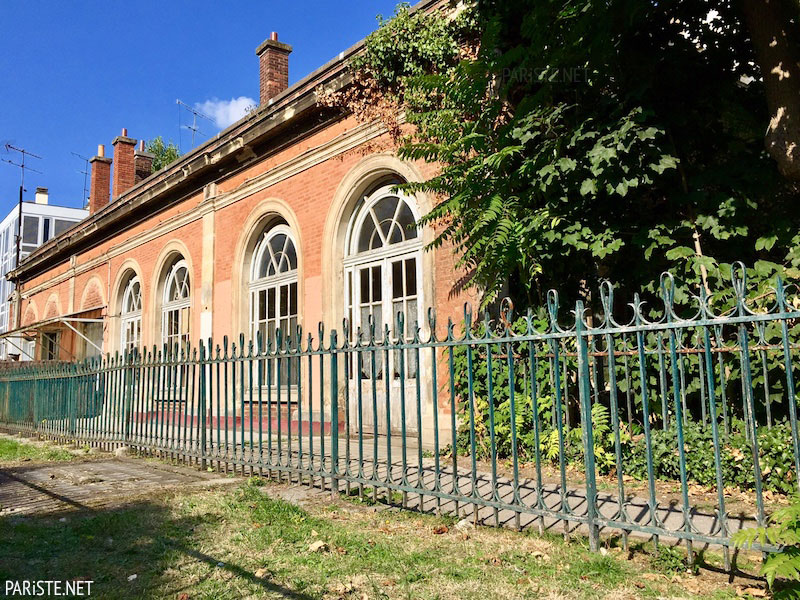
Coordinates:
665 426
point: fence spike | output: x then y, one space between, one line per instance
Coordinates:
552 309
400 326
607 302
739 283
430 316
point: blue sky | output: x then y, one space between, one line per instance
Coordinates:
73 74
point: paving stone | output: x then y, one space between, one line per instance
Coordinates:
45 489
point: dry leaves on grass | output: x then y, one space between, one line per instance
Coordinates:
622 594
693 585
540 556
352 587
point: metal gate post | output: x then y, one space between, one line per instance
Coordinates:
128 358
73 402
334 416
202 403
586 416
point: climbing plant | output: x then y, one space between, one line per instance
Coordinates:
580 140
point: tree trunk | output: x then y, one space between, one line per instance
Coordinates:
773 27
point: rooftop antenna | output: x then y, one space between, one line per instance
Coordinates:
22 168
21 165
195 113
85 174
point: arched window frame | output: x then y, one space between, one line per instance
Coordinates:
175 312
131 315
381 267
269 291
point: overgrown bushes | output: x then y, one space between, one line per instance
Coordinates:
775 446
531 368
736 457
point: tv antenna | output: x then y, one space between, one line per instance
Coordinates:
195 113
21 164
22 168
85 174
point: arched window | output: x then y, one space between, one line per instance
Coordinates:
175 306
131 315
273 284
382 268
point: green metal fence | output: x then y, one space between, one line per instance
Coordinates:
678 422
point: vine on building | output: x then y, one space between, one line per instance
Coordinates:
584 141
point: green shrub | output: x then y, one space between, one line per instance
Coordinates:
776 450
668 560
775 457
775 446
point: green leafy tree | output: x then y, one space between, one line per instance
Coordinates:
581 140
164 153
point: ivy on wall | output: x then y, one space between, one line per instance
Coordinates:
581 140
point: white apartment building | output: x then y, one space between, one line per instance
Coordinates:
41 221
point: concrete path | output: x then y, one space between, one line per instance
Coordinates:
91 485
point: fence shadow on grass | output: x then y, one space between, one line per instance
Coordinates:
110 545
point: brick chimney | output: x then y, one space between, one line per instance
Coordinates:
101 178
273 57
142 163
124 176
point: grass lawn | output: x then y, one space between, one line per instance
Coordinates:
13 452
237 542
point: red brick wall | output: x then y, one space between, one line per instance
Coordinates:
309 194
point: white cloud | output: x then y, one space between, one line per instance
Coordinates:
226 112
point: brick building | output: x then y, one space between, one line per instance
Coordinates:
285 218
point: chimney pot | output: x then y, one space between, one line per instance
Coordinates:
273 59
101 150
124 132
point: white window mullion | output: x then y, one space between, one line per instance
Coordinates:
362 258
131 315
274 269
